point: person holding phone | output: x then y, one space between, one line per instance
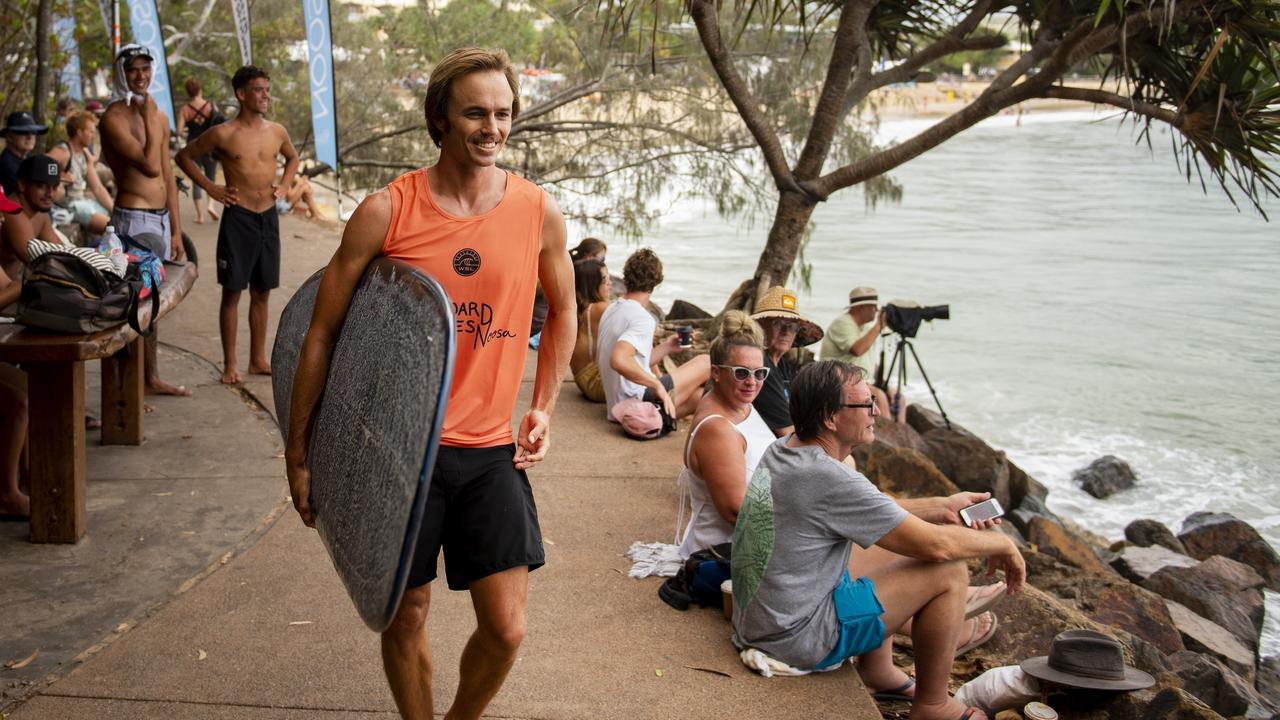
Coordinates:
804 595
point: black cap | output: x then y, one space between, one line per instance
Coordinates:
22 122
41 169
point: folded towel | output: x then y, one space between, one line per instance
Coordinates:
654 559
768 667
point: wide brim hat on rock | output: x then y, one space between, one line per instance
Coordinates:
863 295
1089 660
22 122
779 302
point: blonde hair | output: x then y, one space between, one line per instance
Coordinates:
737 329
459 63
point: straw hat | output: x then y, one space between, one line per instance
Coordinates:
780 302
863 295
1087 659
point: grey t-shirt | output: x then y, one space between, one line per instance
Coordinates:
791 547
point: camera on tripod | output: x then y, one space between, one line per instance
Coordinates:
904 316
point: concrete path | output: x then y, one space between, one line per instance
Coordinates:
263 629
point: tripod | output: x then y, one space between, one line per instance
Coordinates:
896 370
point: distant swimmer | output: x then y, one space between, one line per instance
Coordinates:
489 237
135 144
249 233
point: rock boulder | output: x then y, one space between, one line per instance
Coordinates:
1105 476
1219 687
905 473
1051 538
898 434
969 462
1138 563
924 419
684 310
1206 533
1147 532
1218 589
1139 612
1206 636
1178 704
1268 681
1023 486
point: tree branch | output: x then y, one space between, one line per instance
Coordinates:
1103 97
380 136
852 46
704 17
181 48
559 100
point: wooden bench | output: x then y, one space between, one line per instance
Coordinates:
54 363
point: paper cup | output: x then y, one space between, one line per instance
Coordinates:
726 594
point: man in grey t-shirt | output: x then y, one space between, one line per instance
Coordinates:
793 557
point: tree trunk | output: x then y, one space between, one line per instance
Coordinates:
44 72
783 245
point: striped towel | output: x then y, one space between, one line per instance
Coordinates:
95 259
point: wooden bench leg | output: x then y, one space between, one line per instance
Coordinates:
56 436
122 389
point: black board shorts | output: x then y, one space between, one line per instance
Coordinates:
249 249
480 509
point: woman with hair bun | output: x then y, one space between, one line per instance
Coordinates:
728 437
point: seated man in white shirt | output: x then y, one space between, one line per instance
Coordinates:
626 341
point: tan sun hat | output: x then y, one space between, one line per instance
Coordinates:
863 295
780 302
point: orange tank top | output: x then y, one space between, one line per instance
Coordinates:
489 266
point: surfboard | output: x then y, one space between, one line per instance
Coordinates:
374 439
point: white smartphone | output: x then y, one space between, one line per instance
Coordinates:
985 510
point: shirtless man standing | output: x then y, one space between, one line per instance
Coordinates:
249 235
135 144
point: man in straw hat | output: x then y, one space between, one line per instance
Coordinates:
778 313
852 337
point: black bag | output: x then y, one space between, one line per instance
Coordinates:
62 292
699 580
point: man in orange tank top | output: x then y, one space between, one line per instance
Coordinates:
489 237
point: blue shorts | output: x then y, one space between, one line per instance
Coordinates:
861 629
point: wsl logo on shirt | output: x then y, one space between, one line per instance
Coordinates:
466 262
476 319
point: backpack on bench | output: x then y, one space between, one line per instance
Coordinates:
698 581
75 290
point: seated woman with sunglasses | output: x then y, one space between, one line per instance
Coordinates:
727 439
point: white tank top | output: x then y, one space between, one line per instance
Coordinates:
706 527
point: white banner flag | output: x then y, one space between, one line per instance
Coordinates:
240 8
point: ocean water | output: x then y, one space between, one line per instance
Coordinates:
1100 303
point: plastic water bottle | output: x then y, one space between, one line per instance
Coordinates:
111 246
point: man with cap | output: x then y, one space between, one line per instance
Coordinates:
39 178
852 338
135 144
19 132
778 313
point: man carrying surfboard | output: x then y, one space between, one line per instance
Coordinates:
488 237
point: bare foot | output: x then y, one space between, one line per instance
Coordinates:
230 376
214 216
199 221
146 408
18 505
262 368
892 683
160 387
950 709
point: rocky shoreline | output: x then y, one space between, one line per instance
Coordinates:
1188 607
